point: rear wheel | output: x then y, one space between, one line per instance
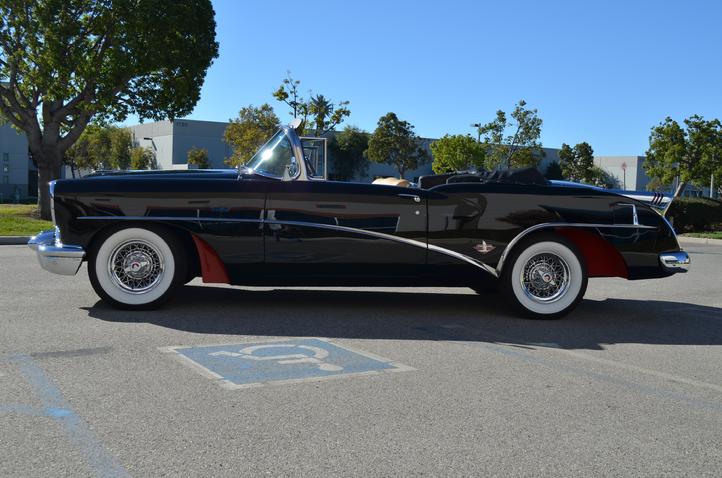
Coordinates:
137 268
545 277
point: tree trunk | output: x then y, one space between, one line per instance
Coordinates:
680 188
49 165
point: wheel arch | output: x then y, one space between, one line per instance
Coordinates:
602 259
183 235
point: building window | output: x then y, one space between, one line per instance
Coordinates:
6 169
6 157
6 179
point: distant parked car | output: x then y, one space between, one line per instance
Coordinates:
273 222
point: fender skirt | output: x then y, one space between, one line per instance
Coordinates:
212 268
602 258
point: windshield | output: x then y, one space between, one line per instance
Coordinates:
275 158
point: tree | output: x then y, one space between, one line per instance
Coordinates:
457 153
554 171
65 62
253 127
325 114
602 179
577 163
513 144
348 148
198 157
394 142
142 158
691 154
100 147
288 93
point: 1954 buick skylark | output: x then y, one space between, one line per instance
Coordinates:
273 222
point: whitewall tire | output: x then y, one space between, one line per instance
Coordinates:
136 267
545 277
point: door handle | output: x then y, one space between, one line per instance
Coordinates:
413 197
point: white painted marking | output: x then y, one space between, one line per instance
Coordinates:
633 368
318 354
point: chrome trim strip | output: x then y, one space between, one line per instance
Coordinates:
545 225
168 218
390 237
496 272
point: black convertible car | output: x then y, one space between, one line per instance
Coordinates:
273 222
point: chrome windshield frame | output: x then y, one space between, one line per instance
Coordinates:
297 148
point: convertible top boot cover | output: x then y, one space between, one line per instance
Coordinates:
518 176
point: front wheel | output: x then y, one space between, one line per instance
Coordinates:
136 268
545 277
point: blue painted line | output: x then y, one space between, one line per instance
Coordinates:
55 406
22 409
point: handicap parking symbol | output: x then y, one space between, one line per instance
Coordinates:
253 364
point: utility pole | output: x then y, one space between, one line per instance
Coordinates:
711 186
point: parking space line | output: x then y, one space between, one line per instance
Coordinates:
633 368
57 407
503 349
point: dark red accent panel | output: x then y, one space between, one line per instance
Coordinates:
212 268
602 259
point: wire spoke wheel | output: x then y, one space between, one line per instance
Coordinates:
136 266
545 278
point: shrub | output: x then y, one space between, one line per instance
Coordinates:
696 214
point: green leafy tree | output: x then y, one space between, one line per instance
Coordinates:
394 142
65 62
101 147
246 133
324 114
348 148
577 163
142 158
601 178
457 153
692 153
515 142
198 157
288 93
554 171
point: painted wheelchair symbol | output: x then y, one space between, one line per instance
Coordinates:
287 359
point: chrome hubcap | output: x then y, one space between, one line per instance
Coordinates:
545 278
136 266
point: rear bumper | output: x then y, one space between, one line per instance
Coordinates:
54 256
674 261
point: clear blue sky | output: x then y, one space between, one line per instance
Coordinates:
597 71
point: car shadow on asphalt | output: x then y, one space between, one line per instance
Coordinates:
414 315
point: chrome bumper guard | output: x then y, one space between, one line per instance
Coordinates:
675 261
54 256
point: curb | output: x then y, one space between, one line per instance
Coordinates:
699 240
16 240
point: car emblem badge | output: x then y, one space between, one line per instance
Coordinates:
484 248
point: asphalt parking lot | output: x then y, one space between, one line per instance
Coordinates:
629 384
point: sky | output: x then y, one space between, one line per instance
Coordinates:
604 72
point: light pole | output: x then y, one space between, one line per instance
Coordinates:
478 131
152 143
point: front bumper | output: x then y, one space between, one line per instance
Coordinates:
54 256
675 261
